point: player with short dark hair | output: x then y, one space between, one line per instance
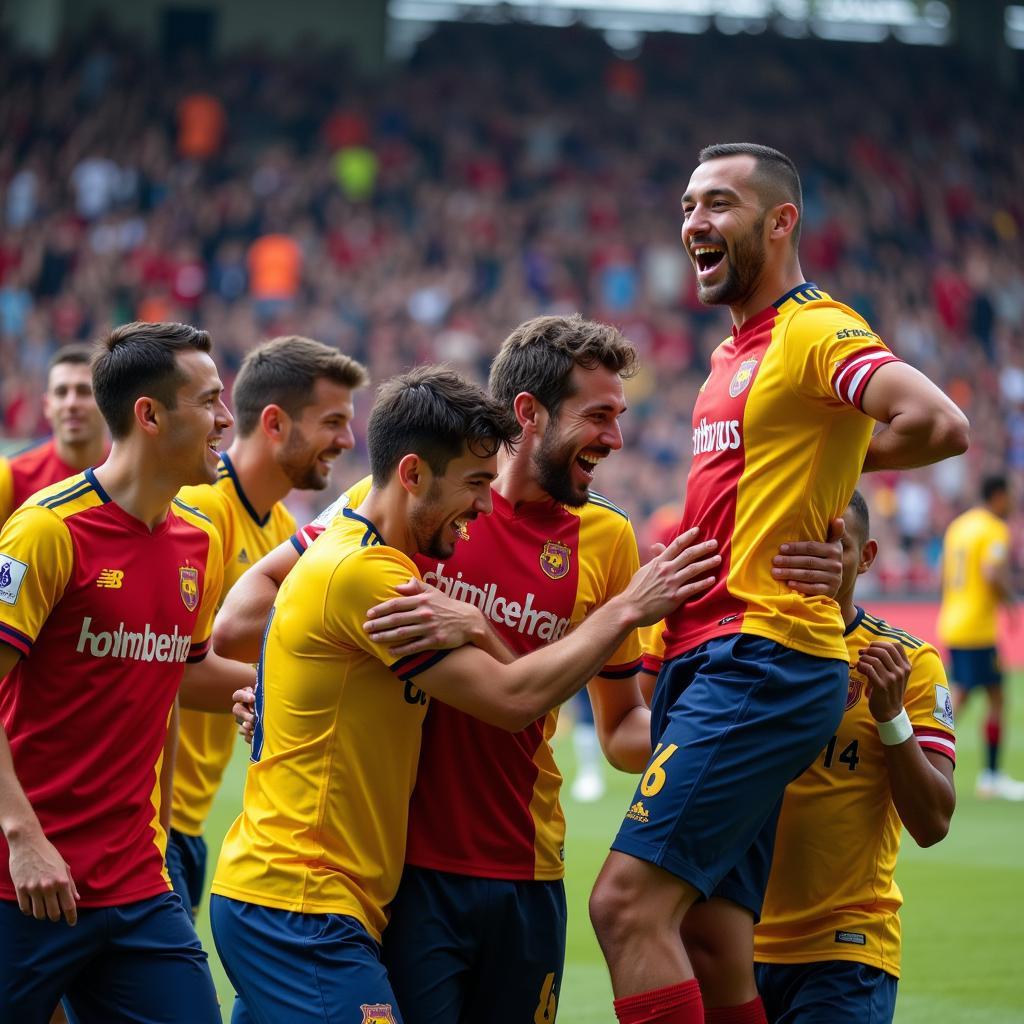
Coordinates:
755 675
321 840
107 596
79 434
293 398
976 580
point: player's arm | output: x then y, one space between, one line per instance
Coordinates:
995 568
921 424
210 684
238 628
921 781
514 695
42 880
623 722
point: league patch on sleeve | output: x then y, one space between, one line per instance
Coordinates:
943 706
327 515
12 575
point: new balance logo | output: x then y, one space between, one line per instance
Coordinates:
112 579
243 556
144 646
638 812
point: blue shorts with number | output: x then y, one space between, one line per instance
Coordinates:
462 948
138 962
291 968
186 864
734 721
975 666
826 992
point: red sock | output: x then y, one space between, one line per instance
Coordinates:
747 1013
676 1004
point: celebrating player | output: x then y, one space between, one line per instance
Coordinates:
318 849
975 582
756 675
79 434
828 943
106 598
293 408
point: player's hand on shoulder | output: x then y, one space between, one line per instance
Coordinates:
680 571
244 710
422 619
886 667
42 879
812 567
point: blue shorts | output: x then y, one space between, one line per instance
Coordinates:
138 961
291 968
186 864
462 948
975 666
734 721
826 992
583 708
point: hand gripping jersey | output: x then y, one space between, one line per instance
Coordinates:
105 613
831 894
28 472
206 740
337 739
486 800
974 543
778 444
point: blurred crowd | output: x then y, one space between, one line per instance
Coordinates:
506 171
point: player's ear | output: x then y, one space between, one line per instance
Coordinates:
782 220
868 554
274 422
147 414
529 412
413 473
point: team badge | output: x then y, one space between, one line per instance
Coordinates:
377 1013
854 691
742 377
188 580
12 575
554 559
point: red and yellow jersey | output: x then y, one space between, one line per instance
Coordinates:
831 894
206 740
975 543
652 643
486 800
28 472
779 440
105 614
336 742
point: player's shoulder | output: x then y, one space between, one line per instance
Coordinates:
880 629
193 516
813 314
208 500
601 509
31 455
68 497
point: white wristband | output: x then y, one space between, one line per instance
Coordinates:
896 731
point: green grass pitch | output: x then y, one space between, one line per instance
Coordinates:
962 920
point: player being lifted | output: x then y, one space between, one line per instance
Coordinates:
756 676
293 416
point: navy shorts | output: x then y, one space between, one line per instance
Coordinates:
826 992
734 721
138 961
291 968
461 948
186 864
583 708
975 666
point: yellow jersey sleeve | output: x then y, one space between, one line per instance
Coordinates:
212 503
6 491
831 353
929 704
36 560
622 563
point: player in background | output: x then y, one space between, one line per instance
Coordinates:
976 580
828 943
107 588
79 434
756 675
588 784
485 820
293 417
318 849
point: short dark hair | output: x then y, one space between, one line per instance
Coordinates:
775 175
539 355
859 507
992 485
435 413
74 355
284 371
139 359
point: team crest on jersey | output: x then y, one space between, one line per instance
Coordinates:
742 377
554 559
188 582
854 691
377 1013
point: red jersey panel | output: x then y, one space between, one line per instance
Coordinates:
28 472
105 614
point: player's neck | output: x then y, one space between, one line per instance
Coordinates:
515 481
260 477
847 608
387 508
80 456
774 283
142 491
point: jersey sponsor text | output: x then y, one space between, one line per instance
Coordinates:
125 643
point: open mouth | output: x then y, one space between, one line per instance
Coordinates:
588 463
707 257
